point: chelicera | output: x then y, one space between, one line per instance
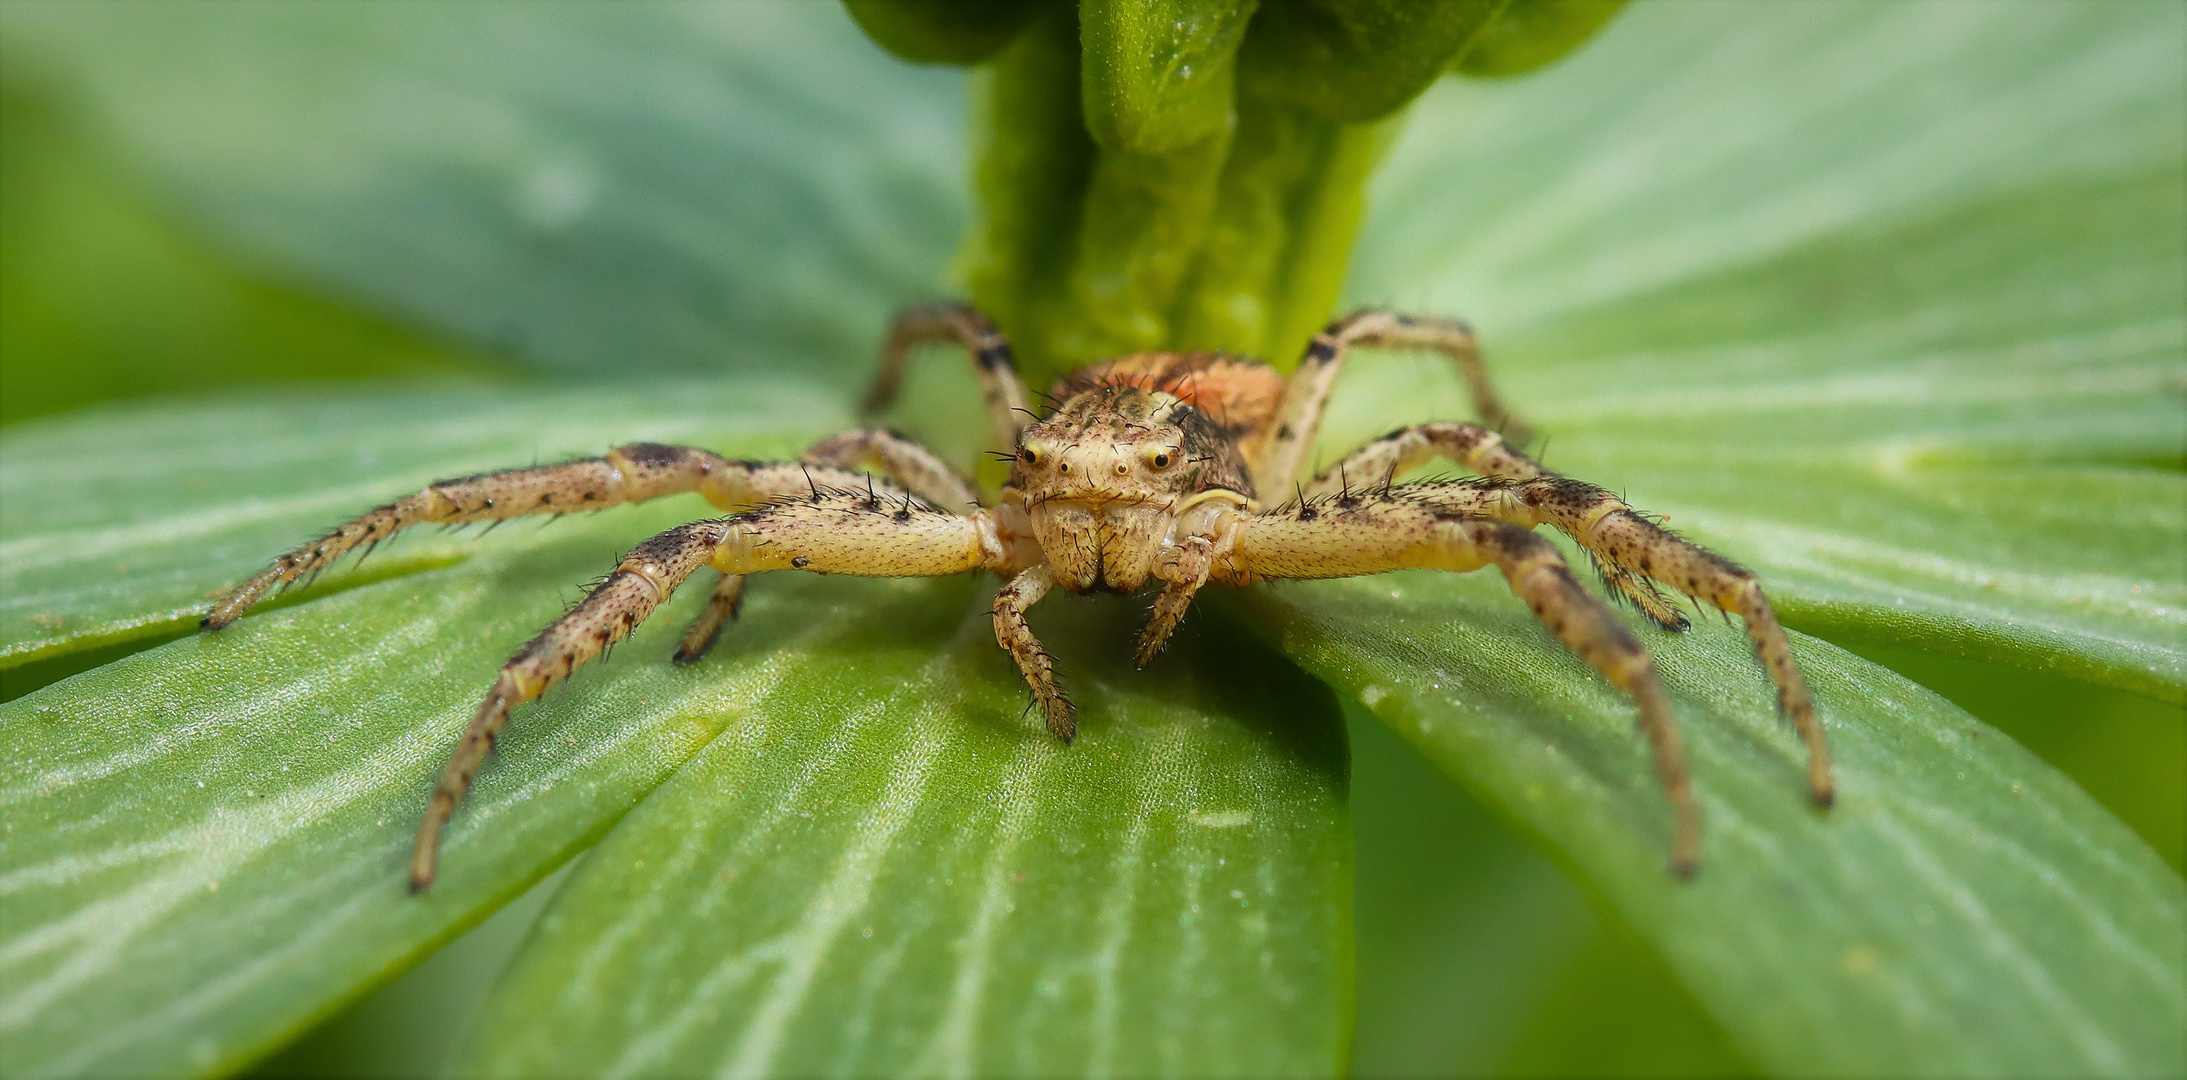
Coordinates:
1164 471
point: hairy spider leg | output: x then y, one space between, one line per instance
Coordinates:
641 583
1402 527
1306 396
721 608
833 529
1631 552
1204 531
906 463
1009 409
626 474
1032 658
1485 452
910 465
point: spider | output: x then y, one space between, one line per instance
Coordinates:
1151 470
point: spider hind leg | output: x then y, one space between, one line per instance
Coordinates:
608 613
1410 527
1631 551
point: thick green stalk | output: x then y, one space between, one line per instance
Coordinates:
1358 60
1158 74
1274 257
1144 218
942 31
1189 174
1033 160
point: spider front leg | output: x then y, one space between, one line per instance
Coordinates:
836 530
1632 552
1401 529
1298 420
1008 407
905 463
626 474
1485 452
911 466
641 583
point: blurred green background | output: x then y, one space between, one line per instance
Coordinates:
1476 954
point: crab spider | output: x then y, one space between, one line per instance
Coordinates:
1150 471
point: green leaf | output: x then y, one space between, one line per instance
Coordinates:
1880 299
760 189
1870 324
1959 886
900 879
108 535
205 841
102 297
1912 352
1480 957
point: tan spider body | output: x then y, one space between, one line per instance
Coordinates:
1172 470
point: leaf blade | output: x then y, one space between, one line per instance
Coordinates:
2036 918
812 896
279 766
206 840
1870 321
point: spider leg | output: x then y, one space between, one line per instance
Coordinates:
626 474
1632 548
837 530
1485 452
607 614
912 466
1034 663
1009 409
1185 566
1405 528
1632 552
1306 397
1170 606
721 608
909 465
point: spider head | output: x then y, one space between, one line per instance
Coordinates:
1102 476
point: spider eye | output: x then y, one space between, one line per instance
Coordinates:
1029 455
1161 457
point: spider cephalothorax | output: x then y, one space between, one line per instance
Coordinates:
1148 471
1106 476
